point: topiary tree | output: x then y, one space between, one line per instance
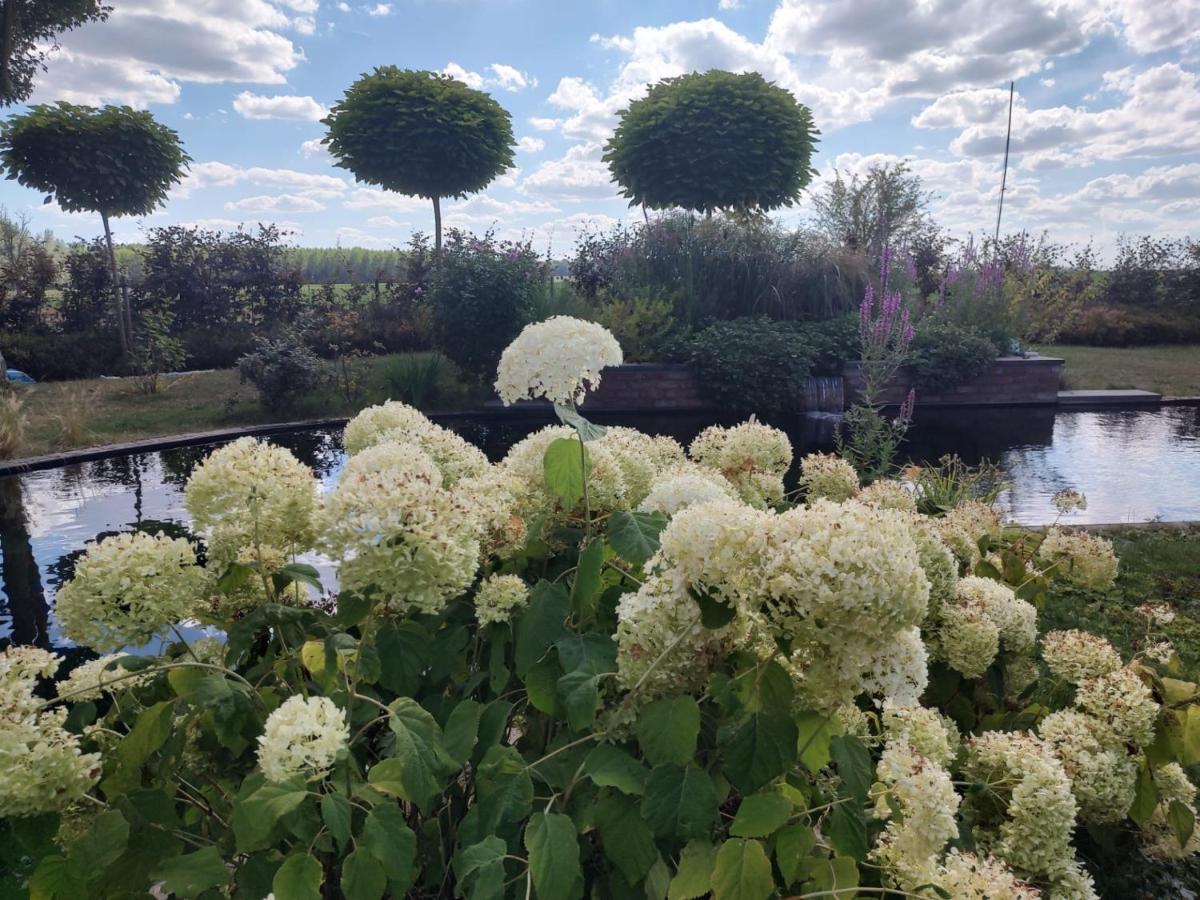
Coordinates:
29 31
115 161
420 133
713 140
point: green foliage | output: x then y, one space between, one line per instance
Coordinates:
31 32
945 355
155 350
423 380
641 325
885 205
481 297
283 369
1124 326
713 140
116 161
752 366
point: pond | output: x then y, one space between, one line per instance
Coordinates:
1133 465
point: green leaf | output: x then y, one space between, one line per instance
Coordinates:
853 762
847 830
761 749
541 624
1182 821
816 732
693 878
680 802
587 431
149 732
193 873
579 692
462 730
387 837
587 577
336 813
566 466
761 814
628 840
667 730
479 869
825 875
610 766
504 794
634 535
299 878
541 686
1145 798
742 872
714 613
255 817
404 654
553 849
363 877
53 879
658 881
793 844
100 846
300 573
419 761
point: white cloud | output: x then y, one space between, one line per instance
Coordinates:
148 47
281 106
314 148
374 198
578 175
343 7
380 9
211 174
503 77
729 4
387 222
305 25
300 6
542 124
531 145
1150 26
278 203
356 237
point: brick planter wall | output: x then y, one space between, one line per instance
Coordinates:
1010 381
647 386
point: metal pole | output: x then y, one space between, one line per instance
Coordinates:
1012 86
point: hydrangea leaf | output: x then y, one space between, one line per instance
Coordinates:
191 874
693 878
667 730
634 535
759 815
742 872
363 877
479 869
759 750
628 840
680 801
610 766
566 466
299 878
553 849
387 837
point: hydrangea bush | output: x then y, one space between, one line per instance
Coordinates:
604 667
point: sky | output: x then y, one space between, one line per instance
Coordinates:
1106 124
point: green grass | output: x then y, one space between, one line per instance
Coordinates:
66 415
1172 369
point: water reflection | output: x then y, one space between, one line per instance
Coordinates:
1134 465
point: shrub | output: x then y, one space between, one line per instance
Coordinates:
752 366
833 342
155 351
1128 326
641 325
945 355
423 380
283 369
54 357
481 297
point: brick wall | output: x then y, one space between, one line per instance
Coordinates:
647 386
1010 381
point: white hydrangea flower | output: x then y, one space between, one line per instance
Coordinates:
685 485
927 731
826 476
252 494
1034 833
963 527
94 678
968 640
391 418
1075 656
525 461
400 534
302 737
752 456
1122 701
1083 559
900 673
1015 619
559 359
497 499
1160 614
1103 774
715 547
965 876
1072 882
921 792
1173 786
844 583
889 494
128 588
42 767
641 458
938 563
498 597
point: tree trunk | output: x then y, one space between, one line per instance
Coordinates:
118 303
437 224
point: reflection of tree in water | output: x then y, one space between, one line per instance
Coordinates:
62 569
22 582
320 450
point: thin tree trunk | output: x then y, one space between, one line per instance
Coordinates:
437 224
118 303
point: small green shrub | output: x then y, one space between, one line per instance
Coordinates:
283 369
57 357
1123 326
641 325
752 366
423 380
945 355
833 341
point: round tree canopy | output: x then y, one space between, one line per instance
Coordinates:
420 133
115 160
713 140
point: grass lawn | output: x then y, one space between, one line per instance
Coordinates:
69 414
1172 369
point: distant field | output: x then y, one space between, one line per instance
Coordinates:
1172 369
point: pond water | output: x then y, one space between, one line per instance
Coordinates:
1133 465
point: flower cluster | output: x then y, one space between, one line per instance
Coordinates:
752 456
1174 787
525 461
889 494
963 527
640 457
985 617
826 476
1083 559
42 767
716 548
395 422
559 359
400 535
938 563
129 588
927 731
302 737
685 485
1103 774
1076 656
498 597
1068 501
965 876
97 677
1122 701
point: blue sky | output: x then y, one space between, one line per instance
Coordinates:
1106 126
